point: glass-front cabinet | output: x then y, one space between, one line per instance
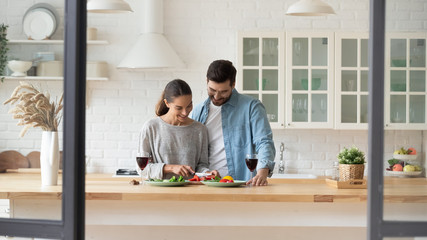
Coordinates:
261 71
309 80
351 80
320 80
405 85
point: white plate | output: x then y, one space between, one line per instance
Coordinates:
403 174
165 183
236 183
40 21
404 157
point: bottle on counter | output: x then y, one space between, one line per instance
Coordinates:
336 171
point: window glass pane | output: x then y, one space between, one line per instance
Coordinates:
299 107
250 51
349 53
398 53
319 51
397 81
250 79
417 52
270 103
270 79
348 80
300 79
319 79
397 108
417 81
364 81
319 103
364 108
256 96
300 52
364 53
270 54
417 109
349 109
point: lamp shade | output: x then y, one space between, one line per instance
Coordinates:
310 8
108 6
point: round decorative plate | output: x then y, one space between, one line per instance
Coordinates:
403 174
236 183
40 21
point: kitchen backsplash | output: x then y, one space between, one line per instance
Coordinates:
200 31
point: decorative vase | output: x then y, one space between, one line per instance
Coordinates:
49 158
351 171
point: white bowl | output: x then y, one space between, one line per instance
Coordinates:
405 157
19 68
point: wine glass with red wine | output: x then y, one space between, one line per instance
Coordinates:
251 162
143 158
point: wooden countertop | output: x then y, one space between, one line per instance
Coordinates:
18 185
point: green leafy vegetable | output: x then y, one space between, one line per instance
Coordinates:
216 179
173 179
181 179
393 161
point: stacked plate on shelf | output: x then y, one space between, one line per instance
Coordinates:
40 21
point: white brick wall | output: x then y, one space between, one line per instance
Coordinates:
200 31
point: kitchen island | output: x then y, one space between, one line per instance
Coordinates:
287 208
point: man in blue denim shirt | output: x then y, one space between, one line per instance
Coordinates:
237 125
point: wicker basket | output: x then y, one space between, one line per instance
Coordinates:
351 171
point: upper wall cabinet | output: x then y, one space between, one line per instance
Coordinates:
261 71
405 85
351 80
320 80
309 80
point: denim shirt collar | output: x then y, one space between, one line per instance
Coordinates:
232 101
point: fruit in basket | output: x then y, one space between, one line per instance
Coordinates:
417 168
409 168
397 167
393 162
409 151
412 151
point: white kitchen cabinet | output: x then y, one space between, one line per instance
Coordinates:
405 81
323 80
351 80
309 80
261 71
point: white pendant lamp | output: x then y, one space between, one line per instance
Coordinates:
310 8
152 50
108 6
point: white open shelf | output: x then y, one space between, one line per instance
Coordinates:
57 42
41 78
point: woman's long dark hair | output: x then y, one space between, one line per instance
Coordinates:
173 89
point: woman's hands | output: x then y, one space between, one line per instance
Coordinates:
214 172
183 170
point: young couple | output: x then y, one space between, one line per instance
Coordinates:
217 137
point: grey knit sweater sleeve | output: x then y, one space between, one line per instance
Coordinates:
168 144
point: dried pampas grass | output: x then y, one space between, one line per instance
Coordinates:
34 108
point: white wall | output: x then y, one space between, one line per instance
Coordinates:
200 31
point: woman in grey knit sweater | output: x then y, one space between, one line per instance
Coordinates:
178 144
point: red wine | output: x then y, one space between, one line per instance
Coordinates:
251 163
142 162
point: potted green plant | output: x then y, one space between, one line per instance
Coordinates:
3 49
352 163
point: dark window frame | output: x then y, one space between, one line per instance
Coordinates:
378 228
72 224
